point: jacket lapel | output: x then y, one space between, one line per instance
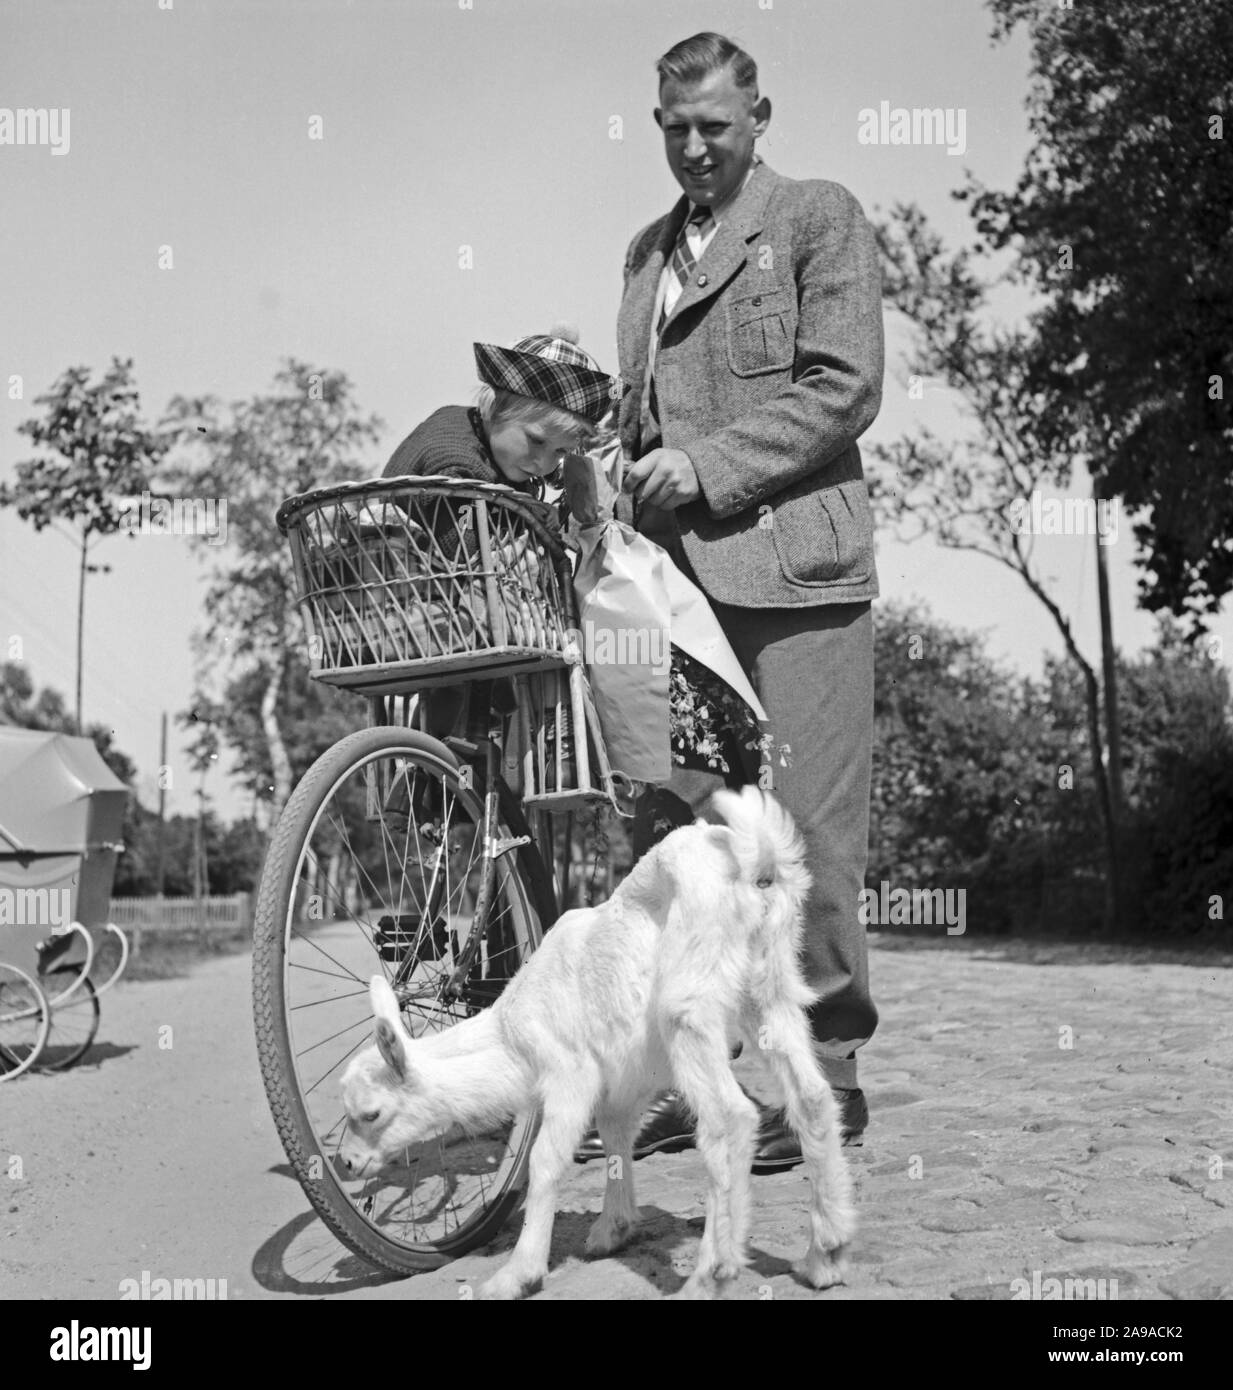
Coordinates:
728 248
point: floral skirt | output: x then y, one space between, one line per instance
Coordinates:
711 728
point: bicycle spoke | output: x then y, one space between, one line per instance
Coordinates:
316 970
322 1041
317 1003
346 1055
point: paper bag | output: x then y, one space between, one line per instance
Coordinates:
625 622
633 601
634 605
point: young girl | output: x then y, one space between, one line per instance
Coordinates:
539 401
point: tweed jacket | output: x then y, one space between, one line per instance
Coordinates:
767 372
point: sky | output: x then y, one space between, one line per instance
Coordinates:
520 129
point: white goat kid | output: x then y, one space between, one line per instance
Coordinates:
698 947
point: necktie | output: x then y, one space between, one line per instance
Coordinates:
683 258
682 267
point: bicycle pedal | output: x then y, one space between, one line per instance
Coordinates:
398 938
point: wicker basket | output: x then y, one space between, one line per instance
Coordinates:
411 582
554 755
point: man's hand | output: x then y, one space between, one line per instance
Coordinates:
664 478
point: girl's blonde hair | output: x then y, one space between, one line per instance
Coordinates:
498 406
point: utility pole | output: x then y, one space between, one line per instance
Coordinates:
82 571
1113 731
201 879
160 870
203 753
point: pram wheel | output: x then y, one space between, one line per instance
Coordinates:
25 1020
73 1023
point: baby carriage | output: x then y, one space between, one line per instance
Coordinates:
61 810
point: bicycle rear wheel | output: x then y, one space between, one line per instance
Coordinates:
370 872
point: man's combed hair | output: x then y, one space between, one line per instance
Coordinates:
694 59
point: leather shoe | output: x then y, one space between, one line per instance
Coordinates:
667 1128
778 1146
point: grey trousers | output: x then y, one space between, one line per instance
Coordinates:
813 671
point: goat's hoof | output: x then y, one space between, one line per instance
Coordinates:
506 1285
604 1239
822 1269
697 1287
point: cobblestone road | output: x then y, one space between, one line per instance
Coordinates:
1032 1119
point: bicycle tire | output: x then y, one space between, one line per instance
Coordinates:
273 931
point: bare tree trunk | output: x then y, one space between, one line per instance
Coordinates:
1112 895
1091 691
279 761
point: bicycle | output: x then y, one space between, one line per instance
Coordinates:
421 854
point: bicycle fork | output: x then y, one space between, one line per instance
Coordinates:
468 967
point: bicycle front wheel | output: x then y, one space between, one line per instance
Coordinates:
378 867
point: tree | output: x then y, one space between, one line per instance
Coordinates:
965 492
311 717
973 782
19 705
136 872
1179 779
1123 220
306 433
965 769
232 855
202 753
101 453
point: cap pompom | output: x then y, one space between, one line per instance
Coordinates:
567 332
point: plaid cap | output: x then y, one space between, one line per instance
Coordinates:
551 370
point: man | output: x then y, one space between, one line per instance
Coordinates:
750 333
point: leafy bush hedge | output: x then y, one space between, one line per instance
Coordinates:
983 781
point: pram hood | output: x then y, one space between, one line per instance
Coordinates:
57 796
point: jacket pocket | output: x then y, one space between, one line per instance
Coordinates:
762 332
825 535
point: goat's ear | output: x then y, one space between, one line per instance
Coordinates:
384 1001
390 1046
391 1035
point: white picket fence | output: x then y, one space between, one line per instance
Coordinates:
183 914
